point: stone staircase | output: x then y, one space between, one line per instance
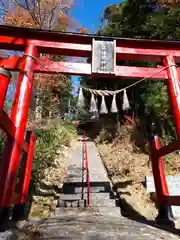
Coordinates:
72 218
74 191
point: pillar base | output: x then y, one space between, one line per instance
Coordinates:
165 217
19 212
4 216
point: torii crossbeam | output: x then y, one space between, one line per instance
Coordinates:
105 53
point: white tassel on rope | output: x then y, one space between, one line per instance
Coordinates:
103 109
114 106
125 105
93 105
80 102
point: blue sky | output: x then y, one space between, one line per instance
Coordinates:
88 14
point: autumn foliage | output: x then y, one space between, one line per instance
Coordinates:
169 3
19 17
48 15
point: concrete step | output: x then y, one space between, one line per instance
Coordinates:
103 197
76 200
103 211
93 195
78 187
92 189
69 197
71 203
69 211
102 202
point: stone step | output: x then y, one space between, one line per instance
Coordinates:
78 187
96 200
104 211
69 211
70 197
106 197
92 189
71 203
93 195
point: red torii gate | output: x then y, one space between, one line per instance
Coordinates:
33 42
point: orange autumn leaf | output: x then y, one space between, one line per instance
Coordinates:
84 30
20 17
48 14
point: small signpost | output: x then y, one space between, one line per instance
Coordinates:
104 56
173 183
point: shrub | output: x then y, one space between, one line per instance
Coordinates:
48 145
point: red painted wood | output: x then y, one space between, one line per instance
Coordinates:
174 89
171 147
12 63
8 126
53 36
4 82
140 72
173 200
158 172
19 117
87 170
61 48
26 172
56 48
84 50
39 34
161 169
12 43
64 67
13 38
80 45
148 54
45 65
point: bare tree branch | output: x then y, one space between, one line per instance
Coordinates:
53 12
39 13
27 8
5 7
32 13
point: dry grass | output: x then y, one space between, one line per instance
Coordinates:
127 167
44 205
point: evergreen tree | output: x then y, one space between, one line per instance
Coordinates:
143 19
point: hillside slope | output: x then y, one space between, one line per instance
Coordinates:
127 167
